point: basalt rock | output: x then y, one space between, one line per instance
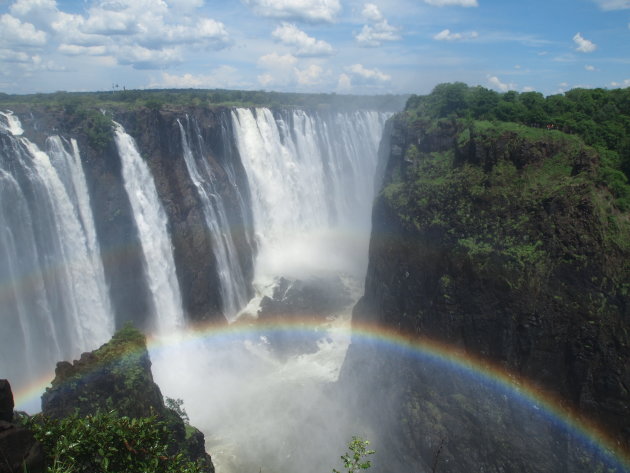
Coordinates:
19 451
498 241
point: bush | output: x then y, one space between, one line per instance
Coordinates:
107 442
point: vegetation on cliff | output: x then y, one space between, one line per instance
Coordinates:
600 117
512 240
105 413
159 98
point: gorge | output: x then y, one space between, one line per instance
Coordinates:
190 220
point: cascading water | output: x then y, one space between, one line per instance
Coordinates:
54 301
310 179
232 280
152 226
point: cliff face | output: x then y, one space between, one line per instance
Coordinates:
496 239
158 137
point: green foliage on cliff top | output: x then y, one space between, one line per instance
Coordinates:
107 442
600 117
500 190
157 99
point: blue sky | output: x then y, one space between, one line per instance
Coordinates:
343 46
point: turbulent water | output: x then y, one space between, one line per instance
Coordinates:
311 179
53 297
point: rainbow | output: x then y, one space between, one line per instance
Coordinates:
422 349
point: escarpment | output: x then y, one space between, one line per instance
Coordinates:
500 241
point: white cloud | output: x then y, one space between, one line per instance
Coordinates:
344 83
371 12
311 75
277 61
371 75
77 50
528 88
144 58
497 84
313 11
306 45
446 35
141 33
380 31
14 32
613 4
588 67
461 3
624 83
221 77
583 45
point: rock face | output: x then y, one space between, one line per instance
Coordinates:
19 451
118 376
299 303
496 239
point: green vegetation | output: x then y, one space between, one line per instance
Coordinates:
107 442
356 459
158 99
496 193
600 117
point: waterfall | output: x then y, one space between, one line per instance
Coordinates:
152 225
311 179
54 301
231 278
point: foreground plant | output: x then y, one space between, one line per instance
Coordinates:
356 459
107 442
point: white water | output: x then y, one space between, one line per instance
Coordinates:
233 285
152 225
311 182
54 301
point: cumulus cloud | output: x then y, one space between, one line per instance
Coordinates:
583 45
624 83
142 33
461 3
14 32
447 35
277 61
344 83
371 12
305 45
312 11
373 35
608 5
495 82
220 77
369 75
311 75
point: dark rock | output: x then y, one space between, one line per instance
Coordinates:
6 401
19 451
503 246
297 305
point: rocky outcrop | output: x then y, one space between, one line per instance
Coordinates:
498 240
117 376
19 451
